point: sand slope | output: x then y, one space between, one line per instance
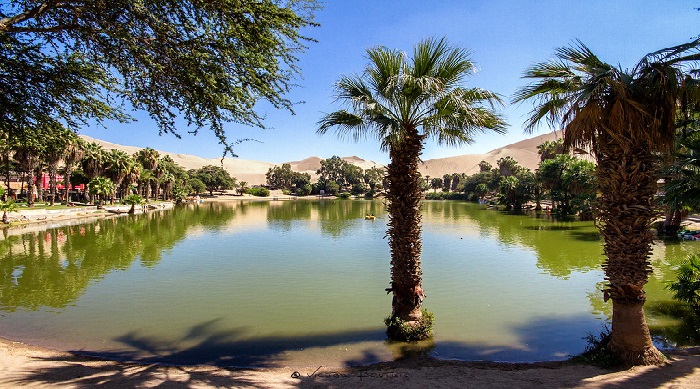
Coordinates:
525 152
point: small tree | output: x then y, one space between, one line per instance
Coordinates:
101 187
133 200
5 207
687 286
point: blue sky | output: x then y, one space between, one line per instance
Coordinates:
504 36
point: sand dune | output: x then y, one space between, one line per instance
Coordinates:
525 152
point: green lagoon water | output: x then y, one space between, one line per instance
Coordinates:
289 283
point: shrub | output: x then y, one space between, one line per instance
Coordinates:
399 329
344 195
434 196
304 190
687 286
597 353
259 191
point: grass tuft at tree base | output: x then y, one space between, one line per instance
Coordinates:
398 329
597 352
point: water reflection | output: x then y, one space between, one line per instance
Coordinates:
52 268
561 247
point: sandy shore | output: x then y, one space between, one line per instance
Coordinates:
24 365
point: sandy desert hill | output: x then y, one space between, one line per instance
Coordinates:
525 152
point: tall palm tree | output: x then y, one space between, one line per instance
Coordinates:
6 154
55 141
625 117
28 148
117 165
401 102
92 162
148 158
73 153
550 149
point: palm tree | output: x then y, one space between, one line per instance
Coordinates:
682 183
92 162
402 102
133 200
550 149
5 207
118 165
625 117
55 142
28 148
148 158
6 155
101 187
73 153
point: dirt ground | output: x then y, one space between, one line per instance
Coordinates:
26 366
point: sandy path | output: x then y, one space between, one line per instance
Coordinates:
23 365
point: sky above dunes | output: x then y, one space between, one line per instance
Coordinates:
505 37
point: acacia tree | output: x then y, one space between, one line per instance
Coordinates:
401 102
215 178
625 117
209 61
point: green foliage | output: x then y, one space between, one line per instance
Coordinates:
343 173
485 167
284 178
5 207
682 189
101 187
570 181
133 199
445 196
214 178
210 61
374 178
398 329
436 183
550 149
686 288
507 166
259 191
280 177
597 353
196 185
304 190
516 188
242 187
344 195
179 194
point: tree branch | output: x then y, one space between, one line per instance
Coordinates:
7 24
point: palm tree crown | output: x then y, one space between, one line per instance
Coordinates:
396 95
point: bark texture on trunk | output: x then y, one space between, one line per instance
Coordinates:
632 347
627 182
404 202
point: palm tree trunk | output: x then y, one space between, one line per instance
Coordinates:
52 183
628 183
30 189
66 183
404 231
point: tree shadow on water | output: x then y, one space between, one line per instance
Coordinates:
208 345
541 339
149 359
